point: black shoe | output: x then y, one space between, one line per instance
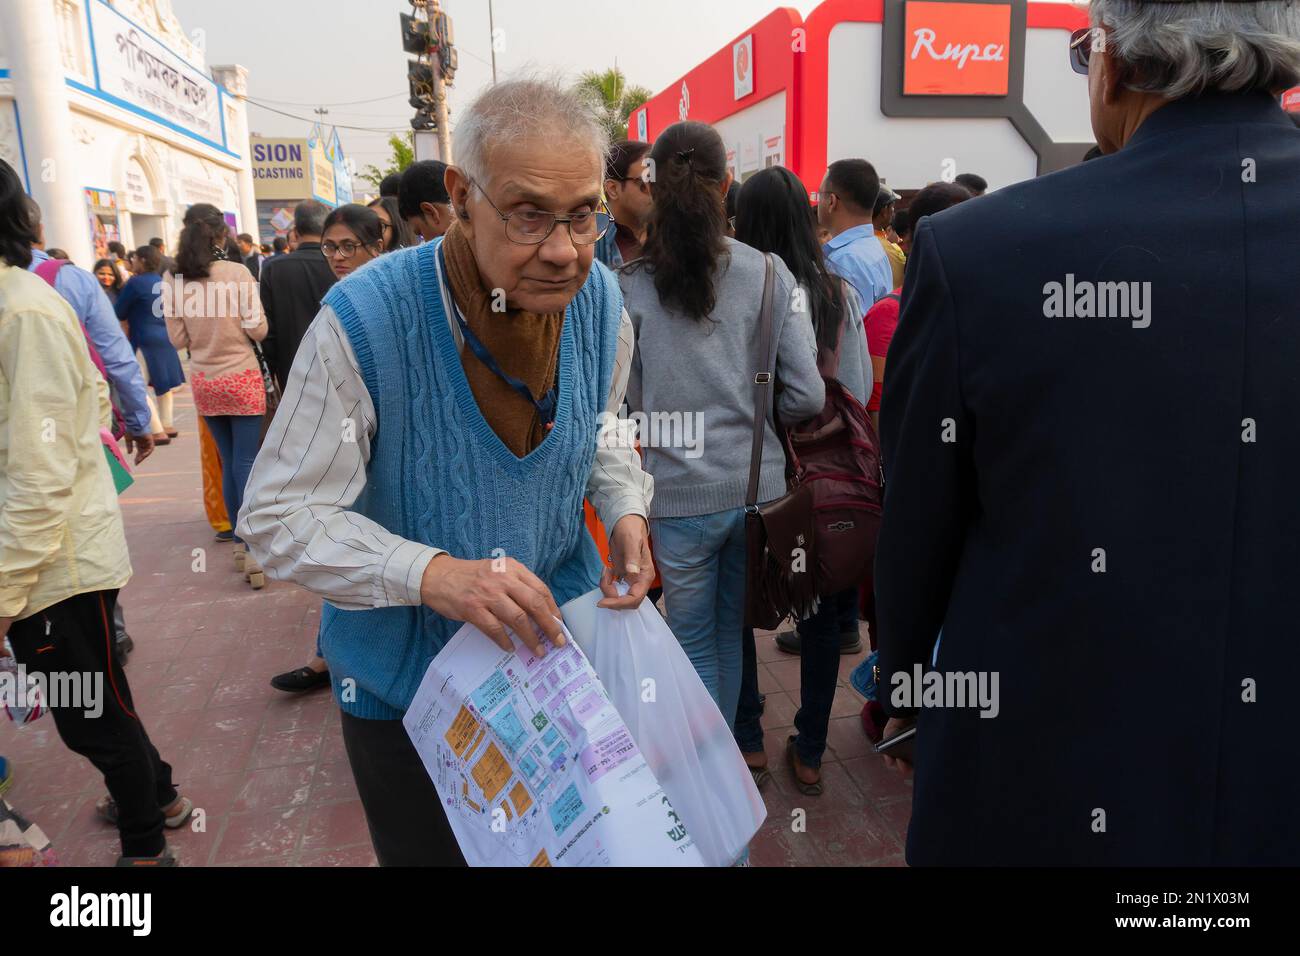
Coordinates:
225 536
788 641
303 679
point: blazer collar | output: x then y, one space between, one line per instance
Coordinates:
1211 109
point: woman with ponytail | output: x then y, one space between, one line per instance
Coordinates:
694 299
213 309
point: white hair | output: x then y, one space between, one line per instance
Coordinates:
534 110
1178 49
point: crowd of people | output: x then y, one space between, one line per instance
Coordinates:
489 318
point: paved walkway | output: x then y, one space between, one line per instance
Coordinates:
269 770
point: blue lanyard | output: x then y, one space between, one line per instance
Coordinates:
546 407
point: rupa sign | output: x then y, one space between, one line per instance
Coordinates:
956 49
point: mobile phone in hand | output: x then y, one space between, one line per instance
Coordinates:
899 745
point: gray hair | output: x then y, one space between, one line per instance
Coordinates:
528 109
1179 49
309 218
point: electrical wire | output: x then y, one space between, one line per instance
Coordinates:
364 129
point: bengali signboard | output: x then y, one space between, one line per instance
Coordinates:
136 68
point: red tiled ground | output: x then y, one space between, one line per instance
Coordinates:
268 770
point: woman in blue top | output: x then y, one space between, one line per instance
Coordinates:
137 306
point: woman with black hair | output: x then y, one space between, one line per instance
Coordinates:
137 308
110 280
396 234
772 216
213 309
63 553
694 298
352 237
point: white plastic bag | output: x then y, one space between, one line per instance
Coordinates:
20 693
674 721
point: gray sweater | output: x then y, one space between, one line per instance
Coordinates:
693 381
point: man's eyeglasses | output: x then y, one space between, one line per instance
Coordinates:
1081 46
347 248
531 227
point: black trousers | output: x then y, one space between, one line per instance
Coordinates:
76 636
408 825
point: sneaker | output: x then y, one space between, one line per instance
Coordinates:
6 774
788 641
225 536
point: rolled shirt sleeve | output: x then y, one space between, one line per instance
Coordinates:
311 469
618 486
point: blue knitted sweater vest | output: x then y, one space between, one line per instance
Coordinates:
439 475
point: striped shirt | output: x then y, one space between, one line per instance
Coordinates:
312 468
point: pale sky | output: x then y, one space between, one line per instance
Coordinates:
332 53
323 52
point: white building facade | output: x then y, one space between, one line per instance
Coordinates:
115 124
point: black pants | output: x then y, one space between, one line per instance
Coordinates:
408 825
76 636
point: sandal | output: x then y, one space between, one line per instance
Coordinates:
106 807
792 758
761 774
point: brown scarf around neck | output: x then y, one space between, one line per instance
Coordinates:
525 345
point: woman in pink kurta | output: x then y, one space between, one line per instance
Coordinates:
213 308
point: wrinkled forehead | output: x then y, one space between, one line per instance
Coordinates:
560 170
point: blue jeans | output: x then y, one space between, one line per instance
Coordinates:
701 561
819 671
237 438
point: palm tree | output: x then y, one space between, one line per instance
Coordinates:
613 98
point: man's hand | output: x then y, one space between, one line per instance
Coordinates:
142 445
493 594
896 725
629 550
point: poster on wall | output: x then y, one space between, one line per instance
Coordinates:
774 150
101 217
642 130
134 67
742 64
751 157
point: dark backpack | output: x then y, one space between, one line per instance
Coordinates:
820 537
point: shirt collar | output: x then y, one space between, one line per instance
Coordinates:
849 235
39 256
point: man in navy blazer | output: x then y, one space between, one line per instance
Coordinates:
1089 565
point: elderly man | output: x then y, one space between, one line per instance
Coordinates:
439 433
1091 459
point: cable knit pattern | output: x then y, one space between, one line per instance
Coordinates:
439 475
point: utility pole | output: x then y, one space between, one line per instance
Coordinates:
439 83
492 29
427 33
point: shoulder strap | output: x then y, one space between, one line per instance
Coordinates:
892 295
762 380
49 270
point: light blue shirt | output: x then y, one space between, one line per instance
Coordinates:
84 293
857 255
